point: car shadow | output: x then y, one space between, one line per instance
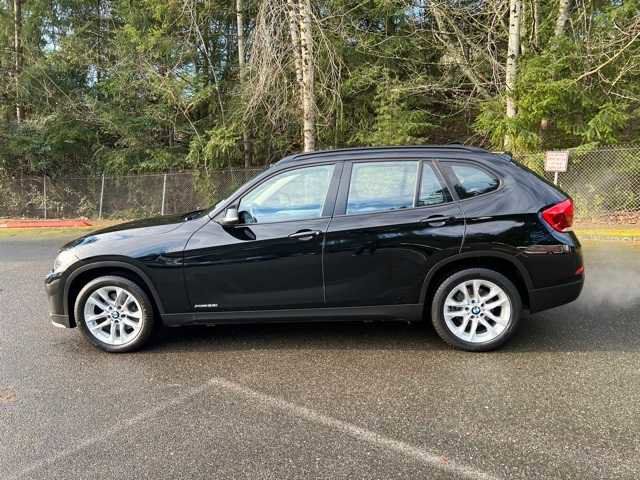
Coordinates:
578 327
299 336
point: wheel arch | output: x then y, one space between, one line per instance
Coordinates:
505 264
84 274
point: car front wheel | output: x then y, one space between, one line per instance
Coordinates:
114 314
476 309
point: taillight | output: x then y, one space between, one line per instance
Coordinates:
559 216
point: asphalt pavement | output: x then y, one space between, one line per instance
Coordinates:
375 400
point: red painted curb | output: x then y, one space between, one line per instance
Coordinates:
43 223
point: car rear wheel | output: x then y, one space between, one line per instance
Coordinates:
114 314
476 309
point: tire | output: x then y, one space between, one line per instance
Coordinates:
452 307
130 326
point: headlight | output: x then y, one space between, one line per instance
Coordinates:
63 260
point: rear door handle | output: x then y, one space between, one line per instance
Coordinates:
305 234
438 220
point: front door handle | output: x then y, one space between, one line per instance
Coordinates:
305 234
438 220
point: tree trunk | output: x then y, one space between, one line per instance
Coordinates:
302 41
246 138
308 77
536 23
523 28
563 16
17 28
294 31
513 51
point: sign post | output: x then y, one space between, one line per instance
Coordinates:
101 198
164 193
44 194
556 161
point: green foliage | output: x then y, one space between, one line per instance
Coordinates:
219 148
605 126
561 102
394 121
118 86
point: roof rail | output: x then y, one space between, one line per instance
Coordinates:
301 156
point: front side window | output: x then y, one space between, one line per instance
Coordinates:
432 190
381 186
293 195
472 181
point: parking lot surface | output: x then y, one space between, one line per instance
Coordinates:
376 400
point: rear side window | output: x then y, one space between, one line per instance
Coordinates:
432 190
472 181
381 186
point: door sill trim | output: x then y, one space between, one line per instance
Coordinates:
408 312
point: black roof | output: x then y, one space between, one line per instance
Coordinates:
399 149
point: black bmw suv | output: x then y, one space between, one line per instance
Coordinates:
456 235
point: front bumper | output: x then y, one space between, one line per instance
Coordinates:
61 321
544 298
54 286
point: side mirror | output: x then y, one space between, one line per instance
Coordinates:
231 217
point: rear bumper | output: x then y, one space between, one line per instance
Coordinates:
544 298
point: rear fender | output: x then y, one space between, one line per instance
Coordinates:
475 256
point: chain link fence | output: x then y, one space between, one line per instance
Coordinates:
604 183
121 197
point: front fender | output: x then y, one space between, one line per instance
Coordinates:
109 264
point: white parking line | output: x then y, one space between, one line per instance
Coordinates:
110 432
265 401
428 458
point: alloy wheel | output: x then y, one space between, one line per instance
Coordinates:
113 315
477 311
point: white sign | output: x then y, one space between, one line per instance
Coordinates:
556 160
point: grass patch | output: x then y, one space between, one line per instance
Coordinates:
606 232
38 233
45 232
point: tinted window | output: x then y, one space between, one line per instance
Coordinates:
292 195
381 186
471 181
432 191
